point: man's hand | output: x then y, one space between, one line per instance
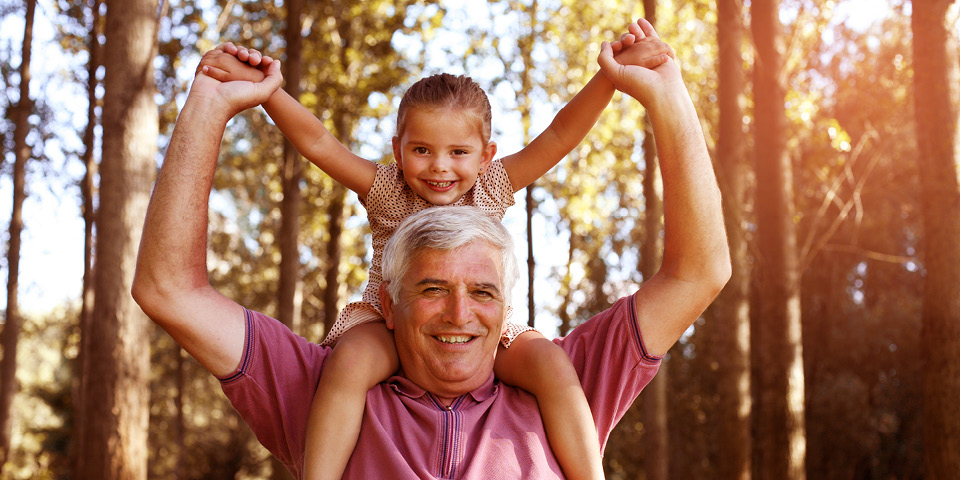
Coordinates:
223 78
648 85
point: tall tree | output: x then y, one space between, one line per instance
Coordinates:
116 373
288 300
780 439
730 328
87 188
525 44
936 116
10 335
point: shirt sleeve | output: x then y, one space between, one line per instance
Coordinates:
273 387
613 364
493 191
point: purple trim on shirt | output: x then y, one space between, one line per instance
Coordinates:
635 326
247 346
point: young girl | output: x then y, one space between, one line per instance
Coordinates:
444 156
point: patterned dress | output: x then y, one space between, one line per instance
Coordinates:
391 200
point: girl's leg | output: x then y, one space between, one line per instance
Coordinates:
542 368
364 356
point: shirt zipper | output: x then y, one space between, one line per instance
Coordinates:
451 427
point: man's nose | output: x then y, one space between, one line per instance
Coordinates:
458 308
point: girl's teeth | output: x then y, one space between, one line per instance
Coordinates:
440 184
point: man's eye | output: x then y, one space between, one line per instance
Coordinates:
483 294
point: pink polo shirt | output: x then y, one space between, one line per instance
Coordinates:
493 432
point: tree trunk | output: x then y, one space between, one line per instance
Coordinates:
331 292
526 50
180 469
936 118
10 336
730 332
780 440
116 373
288 300
87 189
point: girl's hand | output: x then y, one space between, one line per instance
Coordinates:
228 63
226 99
641 46
648 85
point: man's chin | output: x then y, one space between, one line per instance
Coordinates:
449 380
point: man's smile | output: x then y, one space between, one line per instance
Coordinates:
455 339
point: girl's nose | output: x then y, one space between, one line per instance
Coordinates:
440 163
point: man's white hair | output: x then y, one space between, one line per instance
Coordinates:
447 228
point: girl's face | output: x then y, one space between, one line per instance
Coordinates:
441 153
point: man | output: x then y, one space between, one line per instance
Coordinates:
446 273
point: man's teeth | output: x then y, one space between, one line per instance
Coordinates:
440 184
454 338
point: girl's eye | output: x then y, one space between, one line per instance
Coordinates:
420 150
459 152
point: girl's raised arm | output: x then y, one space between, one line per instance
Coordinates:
305 131
575 120
567 130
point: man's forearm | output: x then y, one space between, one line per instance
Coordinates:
173 246
171 283
695 240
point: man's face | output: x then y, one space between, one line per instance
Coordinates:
448 317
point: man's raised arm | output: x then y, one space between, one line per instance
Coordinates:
696 259
171 282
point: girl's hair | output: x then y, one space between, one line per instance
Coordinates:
447 91
447 229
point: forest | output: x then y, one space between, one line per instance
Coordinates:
832 353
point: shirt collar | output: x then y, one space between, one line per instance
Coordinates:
404 386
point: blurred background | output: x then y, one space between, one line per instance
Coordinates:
833 353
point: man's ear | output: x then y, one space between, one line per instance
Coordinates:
396 152
386 305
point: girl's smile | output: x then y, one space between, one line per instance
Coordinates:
441 153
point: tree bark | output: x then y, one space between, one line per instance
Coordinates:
116 373
780 440
288 300
331 291
87 189
936 118
526 50
180 469
10 336
730 332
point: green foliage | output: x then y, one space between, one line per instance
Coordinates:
43 409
